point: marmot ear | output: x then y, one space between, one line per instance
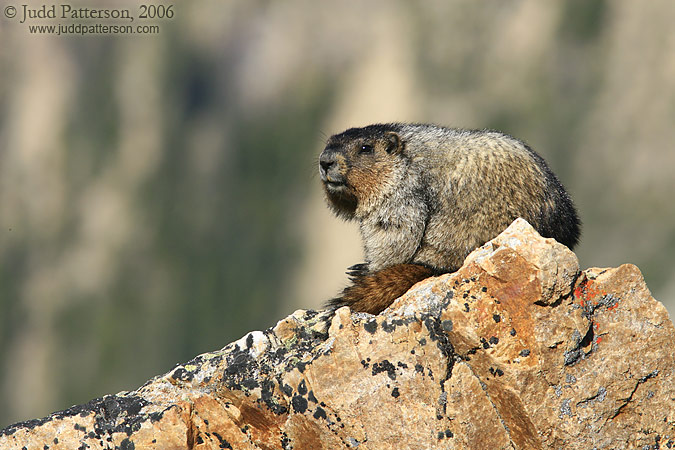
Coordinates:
394 144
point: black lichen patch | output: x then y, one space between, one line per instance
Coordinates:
180 373
370 326
496 372
577 353
494 340
302 388
242 370
127 444
245 372
112 414
285 441
497 318
320 413
447 434
512 332
525 352
268 398
388 327
299 404
119 414
438 335
308 339
223 443
157 416
395 393
286 389
384 366
447 325
279 354
391 326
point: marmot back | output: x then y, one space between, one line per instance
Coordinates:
427 196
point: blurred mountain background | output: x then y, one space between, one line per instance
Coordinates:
159 195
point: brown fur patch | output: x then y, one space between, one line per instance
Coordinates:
374 292
369 176
366 181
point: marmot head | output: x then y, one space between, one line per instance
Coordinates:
357 165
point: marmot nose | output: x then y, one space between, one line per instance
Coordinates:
326 161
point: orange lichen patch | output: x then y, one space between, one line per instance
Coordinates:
587 292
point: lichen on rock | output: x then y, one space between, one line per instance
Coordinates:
517 349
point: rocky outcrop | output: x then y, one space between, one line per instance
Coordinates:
518 349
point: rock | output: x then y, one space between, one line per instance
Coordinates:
518 349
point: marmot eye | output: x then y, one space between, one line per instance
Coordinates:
366 149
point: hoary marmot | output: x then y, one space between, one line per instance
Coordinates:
425 196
